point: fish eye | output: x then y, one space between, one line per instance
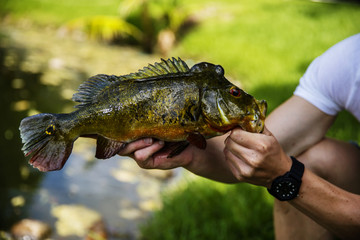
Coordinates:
236 92
50 129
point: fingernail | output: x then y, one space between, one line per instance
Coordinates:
148 140
161 142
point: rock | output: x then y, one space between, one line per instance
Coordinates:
160 174
30 229
74 219
97 231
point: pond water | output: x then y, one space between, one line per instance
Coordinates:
114 190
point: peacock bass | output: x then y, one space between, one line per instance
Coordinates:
167 101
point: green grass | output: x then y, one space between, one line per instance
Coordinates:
48 12
203 209
266 42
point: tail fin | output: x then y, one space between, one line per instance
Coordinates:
43 140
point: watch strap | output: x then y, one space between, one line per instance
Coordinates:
297 169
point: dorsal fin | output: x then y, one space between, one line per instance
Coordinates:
88 90
165 67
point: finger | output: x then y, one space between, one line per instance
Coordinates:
241 136
245 154
144 154
236 165
244 172
136 145
150 158
251 140
162 161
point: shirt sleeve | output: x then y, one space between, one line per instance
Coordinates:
312 89
331 82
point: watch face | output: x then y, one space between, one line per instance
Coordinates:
286 189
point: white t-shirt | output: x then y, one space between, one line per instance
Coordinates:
332 81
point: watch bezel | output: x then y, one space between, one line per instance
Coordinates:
281 188
293 177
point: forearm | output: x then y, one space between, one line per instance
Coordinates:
211 163
330 206
297 125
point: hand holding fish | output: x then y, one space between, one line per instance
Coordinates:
150 154
147 154
239 157
255 158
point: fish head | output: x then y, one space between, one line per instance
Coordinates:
226 106
231 107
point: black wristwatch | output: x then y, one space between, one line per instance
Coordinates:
286 187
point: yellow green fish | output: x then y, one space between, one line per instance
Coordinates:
167 101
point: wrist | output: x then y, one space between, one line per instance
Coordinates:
283 167
286 187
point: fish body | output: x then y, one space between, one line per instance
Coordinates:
167 101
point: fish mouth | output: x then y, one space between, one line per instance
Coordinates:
260 121
256 122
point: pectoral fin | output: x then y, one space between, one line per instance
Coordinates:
197 139
176 148
194 138
106 148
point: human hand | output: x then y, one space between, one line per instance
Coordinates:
148 154
255 158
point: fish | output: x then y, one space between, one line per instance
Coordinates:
166 100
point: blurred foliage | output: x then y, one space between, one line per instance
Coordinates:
202 209
48 12
145 21
148 23
163 14
106 28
